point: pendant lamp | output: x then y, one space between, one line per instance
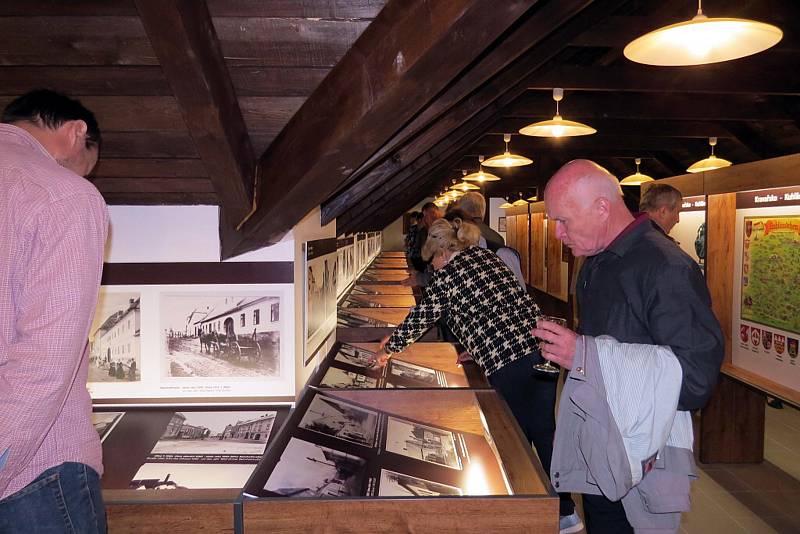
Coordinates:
535 196
702 40
481 176
464 186
520 201
507 159
506 205
557 127
636 178
710 163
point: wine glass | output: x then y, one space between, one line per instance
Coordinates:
547 366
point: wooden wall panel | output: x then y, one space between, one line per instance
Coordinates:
720 237
523 245
511 231
732 424
553 258
536 255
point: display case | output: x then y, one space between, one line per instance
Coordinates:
380 276
371 316
382 289
180 469
400 461
379 301
421 365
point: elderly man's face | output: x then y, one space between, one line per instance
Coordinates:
577 226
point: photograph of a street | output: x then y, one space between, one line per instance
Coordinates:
338 378
220 336
341 420
422 443
114 338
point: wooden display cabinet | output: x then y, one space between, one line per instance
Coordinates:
503 486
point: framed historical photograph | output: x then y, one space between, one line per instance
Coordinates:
193 332
355 356
339 379
309 470
341 420
501 224
220 336
214 437
416 373
394 484
322 272
115 337
422 442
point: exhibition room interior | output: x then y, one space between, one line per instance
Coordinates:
260 160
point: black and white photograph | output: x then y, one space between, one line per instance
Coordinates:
340 379
309 470
165 476
422 442
355 356
211 436
114 338
320 297
341 420
410 371
349 317
104 422
225 336
399 485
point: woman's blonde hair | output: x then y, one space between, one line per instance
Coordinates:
444 235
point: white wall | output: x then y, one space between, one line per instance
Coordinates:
393 236
495 213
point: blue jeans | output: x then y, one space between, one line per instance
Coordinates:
63 499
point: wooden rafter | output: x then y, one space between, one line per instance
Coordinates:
409 53
185 41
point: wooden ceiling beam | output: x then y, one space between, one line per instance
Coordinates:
584 106
537 25
184 38
161 199
79 81
475 110
762 74
150 168
409 53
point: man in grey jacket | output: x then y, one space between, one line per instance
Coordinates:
635 286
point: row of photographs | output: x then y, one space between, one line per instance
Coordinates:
340 449
351 318
350 367
190 449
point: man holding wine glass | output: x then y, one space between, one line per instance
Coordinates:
635 286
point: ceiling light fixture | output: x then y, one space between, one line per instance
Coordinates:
464 186
506 205
520 201
702 40
557 127
507 159
637 178
710 163
481 176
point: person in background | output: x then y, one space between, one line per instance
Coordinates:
420 268
662 203
411 237
473 205
53 227
636 286
492 316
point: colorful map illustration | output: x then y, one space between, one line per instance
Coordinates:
771 272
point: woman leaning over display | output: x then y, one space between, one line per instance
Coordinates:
492 316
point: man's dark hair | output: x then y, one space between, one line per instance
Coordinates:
415 215
51 109
429 206
659 195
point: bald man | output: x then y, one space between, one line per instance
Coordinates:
636 286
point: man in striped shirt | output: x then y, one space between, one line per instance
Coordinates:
52 233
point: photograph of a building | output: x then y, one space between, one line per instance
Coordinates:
413 372
341 420
216 433
339 378
220 336
114 338
309 470
422 442
355 356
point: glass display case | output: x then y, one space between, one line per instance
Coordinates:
399 460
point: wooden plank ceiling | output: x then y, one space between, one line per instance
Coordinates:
368 106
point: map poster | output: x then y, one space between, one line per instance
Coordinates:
771 272
766 302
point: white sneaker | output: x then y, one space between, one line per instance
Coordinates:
570 524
